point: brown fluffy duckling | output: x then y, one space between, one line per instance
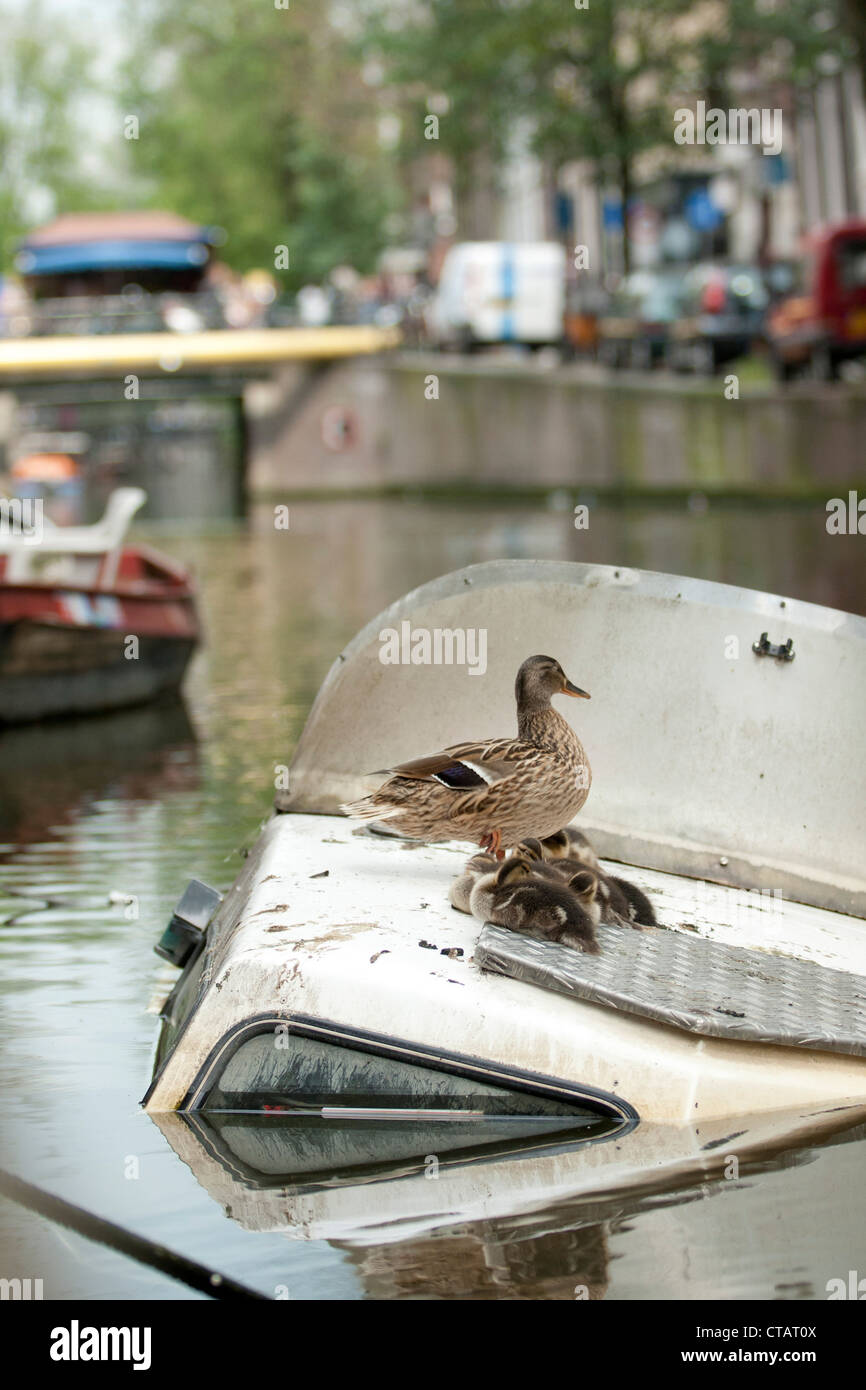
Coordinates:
559 870
622 903
514 897
640 909
611 903
461 889
569 843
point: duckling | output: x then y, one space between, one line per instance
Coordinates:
607 902
461 889
513 897
497 791
640 909
585 886
570 843
559 871
623 903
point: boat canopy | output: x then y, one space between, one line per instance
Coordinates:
80 242
112 255
725 729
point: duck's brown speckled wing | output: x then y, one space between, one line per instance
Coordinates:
467 765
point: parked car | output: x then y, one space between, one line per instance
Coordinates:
634 329
721 315
823 322
499 292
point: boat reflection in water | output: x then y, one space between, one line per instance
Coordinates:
477 1209
133 755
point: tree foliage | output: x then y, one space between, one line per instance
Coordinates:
259 118
45 79
591 82
256 118
598 83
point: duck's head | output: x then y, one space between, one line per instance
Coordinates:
539 679
556 846
530 848
570 844
514 870
585 885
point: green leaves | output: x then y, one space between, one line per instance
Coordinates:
267 121
257 118
45 80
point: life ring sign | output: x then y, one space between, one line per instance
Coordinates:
340 428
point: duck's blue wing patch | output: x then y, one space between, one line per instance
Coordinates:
460 777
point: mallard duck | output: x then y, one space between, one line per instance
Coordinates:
609 904
498 791
640 909
625 903
570 843
560 871
585 883
461 889
514 897
585 887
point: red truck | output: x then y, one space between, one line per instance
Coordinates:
823 322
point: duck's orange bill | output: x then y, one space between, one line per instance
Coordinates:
569 689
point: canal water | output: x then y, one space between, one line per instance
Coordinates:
102 823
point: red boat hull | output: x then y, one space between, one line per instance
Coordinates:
77 649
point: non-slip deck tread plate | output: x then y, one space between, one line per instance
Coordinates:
701 986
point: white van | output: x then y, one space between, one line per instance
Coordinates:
499 292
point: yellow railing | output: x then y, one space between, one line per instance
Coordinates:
171 352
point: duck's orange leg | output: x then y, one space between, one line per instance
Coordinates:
492 842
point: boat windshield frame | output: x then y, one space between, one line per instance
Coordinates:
589 1098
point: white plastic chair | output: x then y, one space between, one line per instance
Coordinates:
105 538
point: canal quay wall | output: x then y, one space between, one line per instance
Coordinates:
437 423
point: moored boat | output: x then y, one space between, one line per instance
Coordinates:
88 623
334 981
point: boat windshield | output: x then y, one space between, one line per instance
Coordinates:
282 1071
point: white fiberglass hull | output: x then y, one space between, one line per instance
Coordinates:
352 929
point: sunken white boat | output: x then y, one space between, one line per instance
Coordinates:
334 985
